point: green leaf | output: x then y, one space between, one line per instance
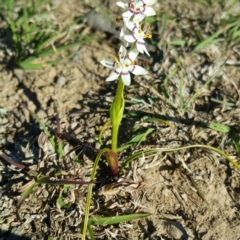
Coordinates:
116 113
60 202
219 127
29 65
137 139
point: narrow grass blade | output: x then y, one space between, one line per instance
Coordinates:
135 156
158 120
117 219
90 231
59 143
49 38
11 21
201 88
62 182
102 130
103 11
156 150
25 194
32 66
26 22
137 139
32 16
10 161
198 35
208 40
38 4
29 63
194 184
169 76
213 37
49 51
89 192
163 23
235 138
178 42
46 180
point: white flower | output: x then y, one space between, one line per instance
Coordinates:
137 36
124 66
137 9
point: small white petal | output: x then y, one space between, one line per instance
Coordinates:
146 51
122 52
137 70
122 5
151 2
133 54
129 38
142 48
124 31
125 43
113 76
149 11
126 78
108 64
130 25
138 18
122 34
127 14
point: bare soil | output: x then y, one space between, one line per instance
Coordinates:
160 183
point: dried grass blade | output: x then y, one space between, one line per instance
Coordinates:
9 160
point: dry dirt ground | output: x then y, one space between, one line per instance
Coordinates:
163 187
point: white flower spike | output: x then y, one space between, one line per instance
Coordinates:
138 9
137 36
124 66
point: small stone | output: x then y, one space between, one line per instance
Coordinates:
61 81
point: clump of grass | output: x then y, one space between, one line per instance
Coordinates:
35 35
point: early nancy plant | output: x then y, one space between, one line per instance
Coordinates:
133 43
132 36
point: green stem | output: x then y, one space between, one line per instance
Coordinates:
118 106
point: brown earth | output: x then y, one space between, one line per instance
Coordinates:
160 183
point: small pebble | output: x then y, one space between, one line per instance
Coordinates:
61 81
